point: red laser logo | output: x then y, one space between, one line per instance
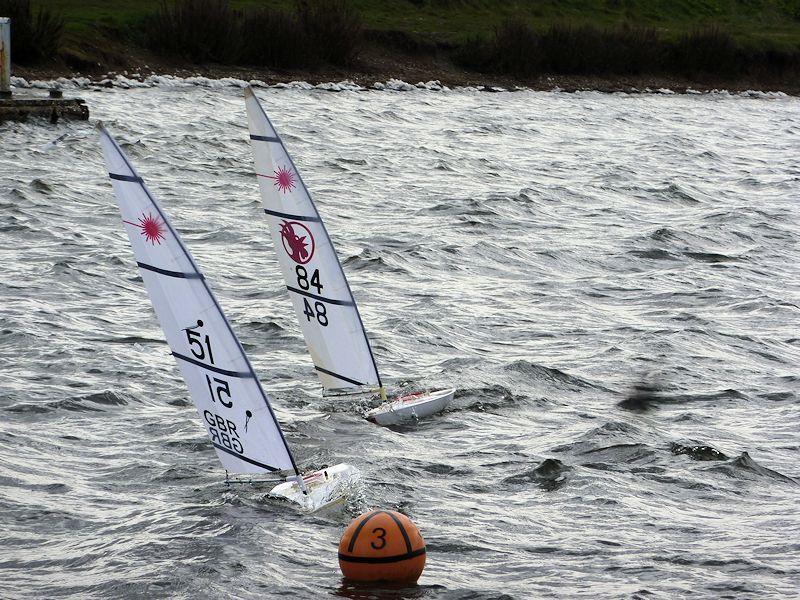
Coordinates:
283 178
152 228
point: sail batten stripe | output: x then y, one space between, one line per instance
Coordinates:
264 138
342 377
275 213
320 298
131 178
177 274
239 374
244 458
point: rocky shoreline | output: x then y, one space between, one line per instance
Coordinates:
333 82
376 64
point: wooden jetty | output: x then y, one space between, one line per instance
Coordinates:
52 108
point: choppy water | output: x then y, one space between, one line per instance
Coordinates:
544 252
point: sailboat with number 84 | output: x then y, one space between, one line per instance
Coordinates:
323 302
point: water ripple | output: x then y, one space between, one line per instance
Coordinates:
609 280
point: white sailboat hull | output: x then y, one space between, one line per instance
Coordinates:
325 488
414 406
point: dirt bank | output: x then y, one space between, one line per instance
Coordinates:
376 62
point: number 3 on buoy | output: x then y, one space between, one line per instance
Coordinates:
382 545
381 537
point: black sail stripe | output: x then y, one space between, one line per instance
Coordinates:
291 217
238 374
376 560
343 378
131 178
244 458
264 138
320 298
170 273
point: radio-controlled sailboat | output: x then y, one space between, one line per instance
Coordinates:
319 291
232 405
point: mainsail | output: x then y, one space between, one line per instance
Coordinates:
321 296
229 399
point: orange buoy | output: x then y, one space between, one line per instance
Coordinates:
382 545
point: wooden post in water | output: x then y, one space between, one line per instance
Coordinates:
5 57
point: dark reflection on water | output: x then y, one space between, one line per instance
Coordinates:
610 281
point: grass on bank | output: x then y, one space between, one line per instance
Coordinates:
526 38
314 32
756 21
37 32
517 49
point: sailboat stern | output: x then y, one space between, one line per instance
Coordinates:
320 489
410 407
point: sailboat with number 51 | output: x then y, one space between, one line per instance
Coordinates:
230 401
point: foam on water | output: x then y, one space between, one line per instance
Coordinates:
136 80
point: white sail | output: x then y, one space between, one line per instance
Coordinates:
229 399
317 285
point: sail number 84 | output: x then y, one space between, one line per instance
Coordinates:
318 310
303 281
